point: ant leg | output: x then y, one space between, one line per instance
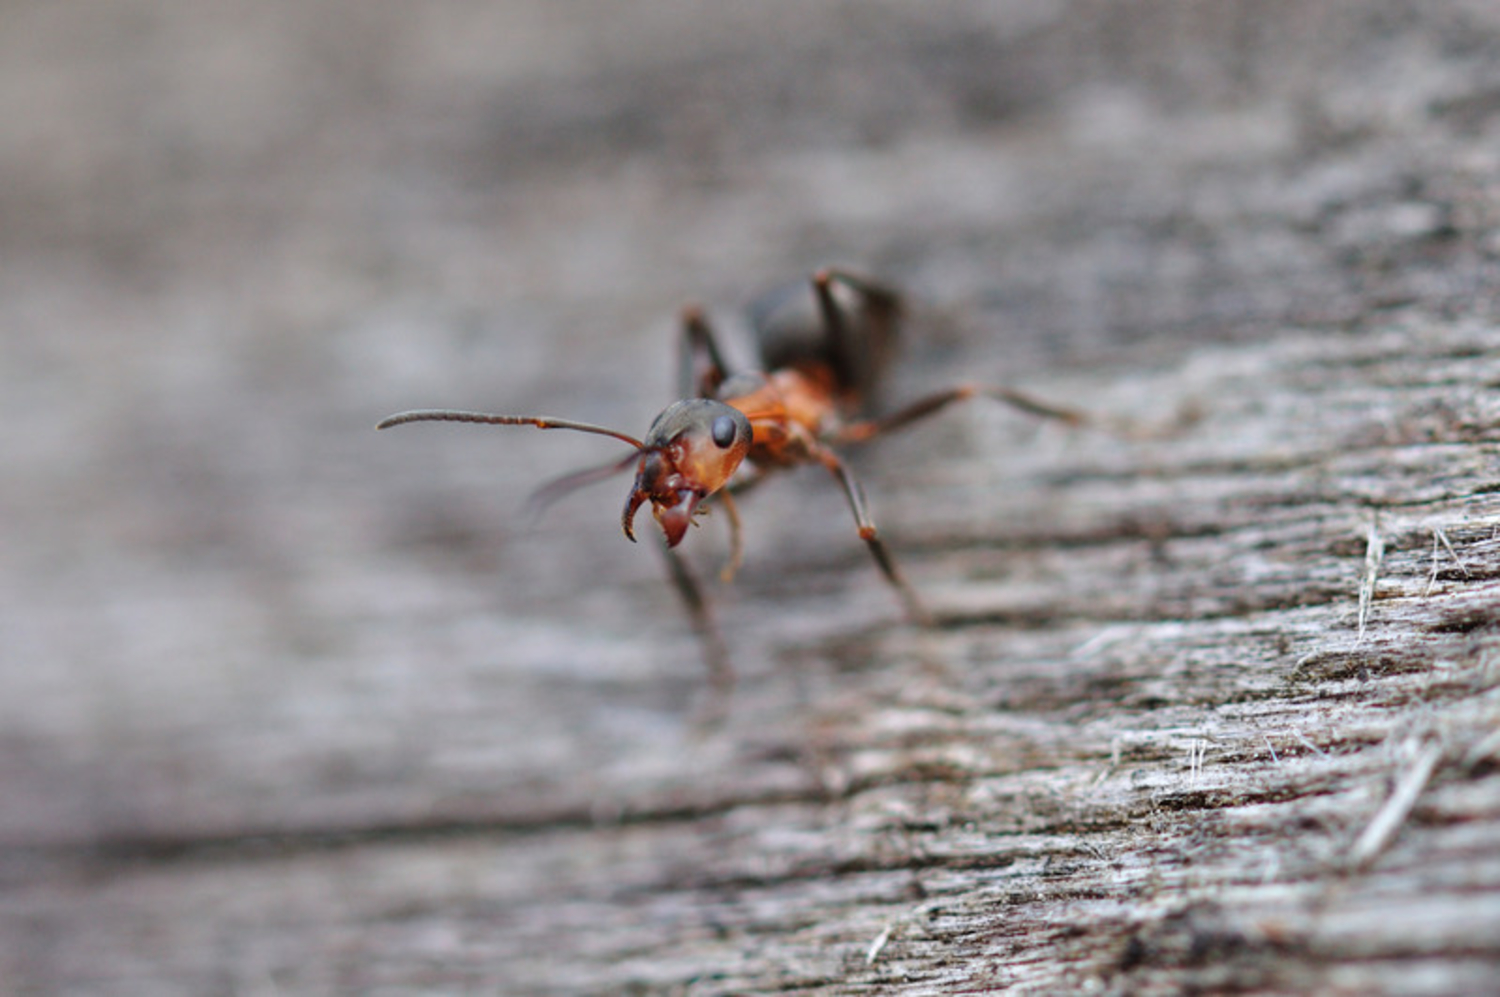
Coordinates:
877 294
736 538
867 532
861 339
715 651
859 432
840 338
701 368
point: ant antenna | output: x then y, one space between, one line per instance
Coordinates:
539 421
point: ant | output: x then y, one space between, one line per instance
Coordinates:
812 398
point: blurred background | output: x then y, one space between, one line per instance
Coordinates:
233 235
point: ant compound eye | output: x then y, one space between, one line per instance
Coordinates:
723 431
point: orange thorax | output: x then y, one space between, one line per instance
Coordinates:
791 409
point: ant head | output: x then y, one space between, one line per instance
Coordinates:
690 452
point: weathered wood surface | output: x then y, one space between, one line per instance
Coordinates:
290 707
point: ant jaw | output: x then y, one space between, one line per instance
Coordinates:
627 519
671 494
675 519
649 482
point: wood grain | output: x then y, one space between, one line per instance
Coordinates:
292 707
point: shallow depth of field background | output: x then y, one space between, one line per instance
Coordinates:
234 235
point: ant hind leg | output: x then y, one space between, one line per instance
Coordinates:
868 429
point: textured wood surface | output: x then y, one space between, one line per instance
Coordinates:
289 706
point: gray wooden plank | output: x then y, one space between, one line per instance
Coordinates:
291 706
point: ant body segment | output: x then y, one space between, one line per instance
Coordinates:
729 431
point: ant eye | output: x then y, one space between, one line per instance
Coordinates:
723 431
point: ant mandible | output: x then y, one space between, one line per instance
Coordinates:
810 399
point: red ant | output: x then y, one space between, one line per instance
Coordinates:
811 398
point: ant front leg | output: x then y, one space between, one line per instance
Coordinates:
867 429
736 537
715 651
867 532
